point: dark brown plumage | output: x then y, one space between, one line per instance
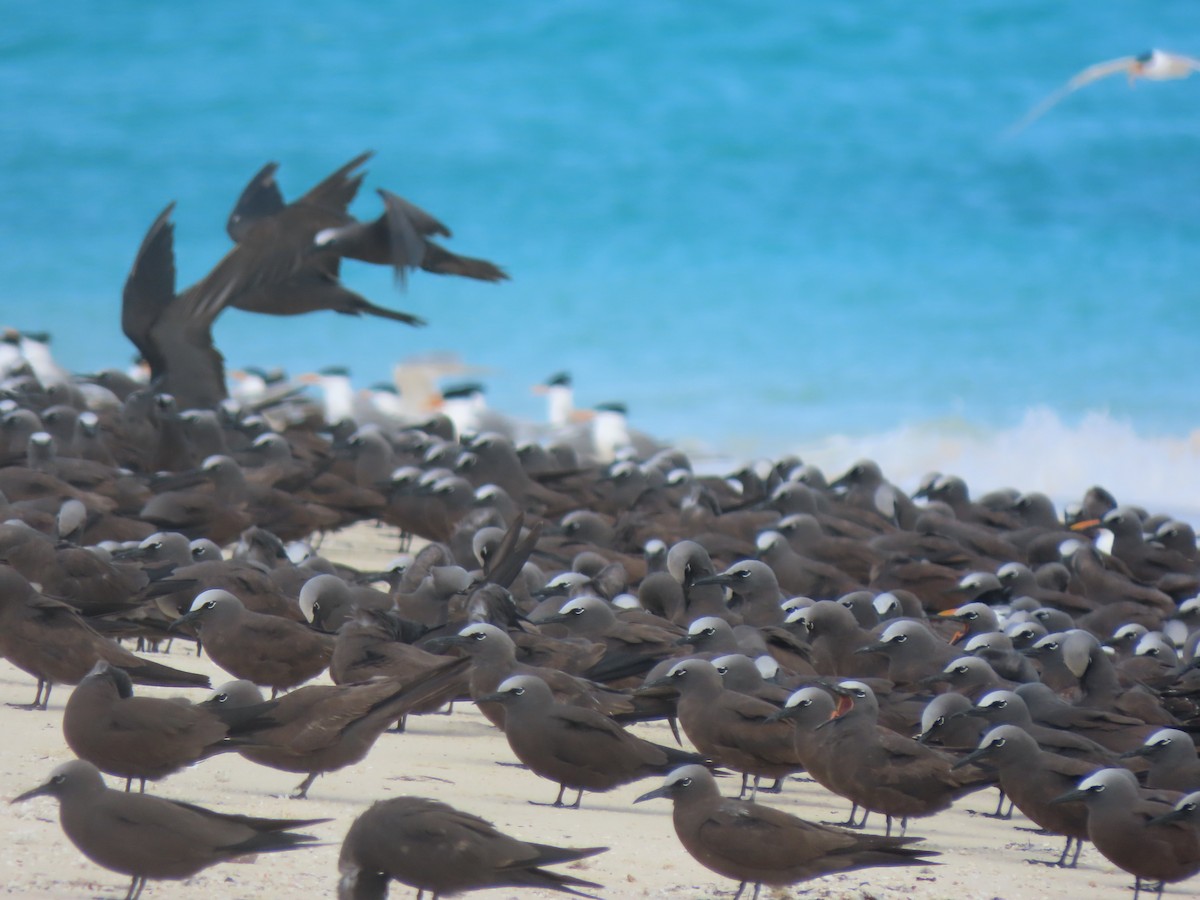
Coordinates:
577 748
149 837
759 845
51 641
434 847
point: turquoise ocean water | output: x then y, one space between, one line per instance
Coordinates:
767 226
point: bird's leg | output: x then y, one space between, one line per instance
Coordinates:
888 833
142 786
578 799
741 887
1075 858
398 728
557 800
850 823
757 888
1062 857
38 702
302 790
754 789
903 826
745 781
129 784
776 788
999 813
1061 862
135 888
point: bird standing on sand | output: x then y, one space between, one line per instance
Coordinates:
759 845
1153 65
437 848
579 748
150 837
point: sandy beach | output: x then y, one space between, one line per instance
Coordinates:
460 759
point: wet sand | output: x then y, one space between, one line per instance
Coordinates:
459 759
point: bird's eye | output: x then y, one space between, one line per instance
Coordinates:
685 782
518 691
940 720
899 638
722 670
58 779
859 692
157 545
708 632
959 670
1053 645
971 616
211 604
999 742
1096 789
478 636
804 703
1190 807
679 673
808 626
1152 651
1165 742
743 573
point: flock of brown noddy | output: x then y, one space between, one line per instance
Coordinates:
901 651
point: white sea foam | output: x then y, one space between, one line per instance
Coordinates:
1041 453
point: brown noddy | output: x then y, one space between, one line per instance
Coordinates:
267 650
1032 777
321 728
493 655
735 730
1122 824
434 847
758 845
578 748
1174 765
884 772
137 737
149 837
51 641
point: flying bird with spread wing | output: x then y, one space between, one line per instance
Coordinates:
1153 65
286 261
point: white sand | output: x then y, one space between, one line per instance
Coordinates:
456 759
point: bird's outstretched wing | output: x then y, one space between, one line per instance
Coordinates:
338 190
260 199
150 287
1081 79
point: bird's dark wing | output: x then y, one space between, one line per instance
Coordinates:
441 261
338 190
260 199
150 288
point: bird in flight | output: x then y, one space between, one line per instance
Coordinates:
1153 65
